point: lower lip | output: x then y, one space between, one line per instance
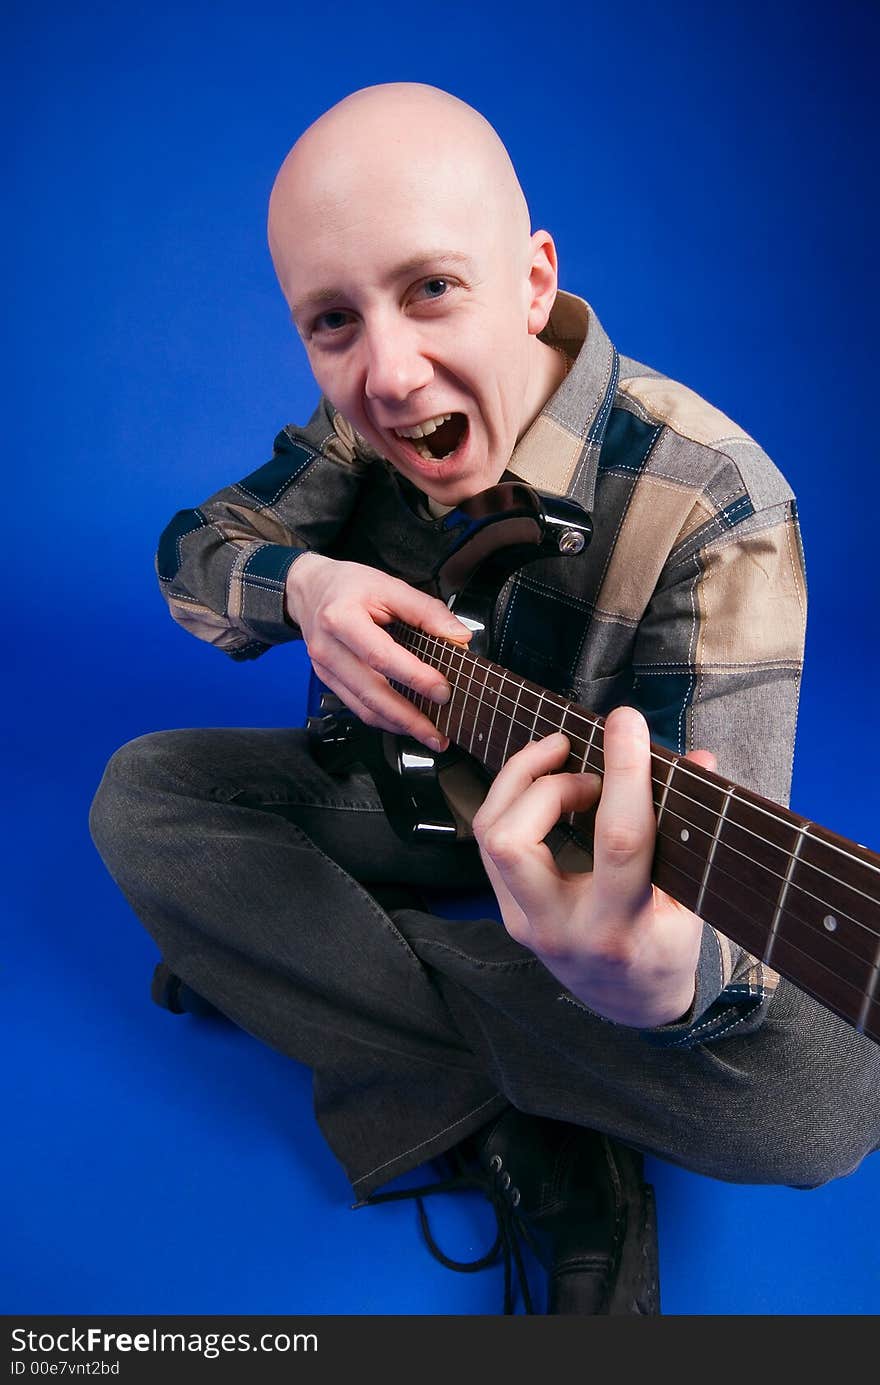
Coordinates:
444 468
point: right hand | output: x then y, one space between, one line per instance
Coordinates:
341 608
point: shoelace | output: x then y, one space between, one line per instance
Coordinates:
495 1185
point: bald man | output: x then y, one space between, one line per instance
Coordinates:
604 1018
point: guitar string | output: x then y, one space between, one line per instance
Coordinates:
739 912
593 720
670 811
839 948
680 766
838 945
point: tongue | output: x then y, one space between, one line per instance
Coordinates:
446 438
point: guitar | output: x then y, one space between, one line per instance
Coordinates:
804 900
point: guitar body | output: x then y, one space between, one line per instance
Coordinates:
499 531
803 899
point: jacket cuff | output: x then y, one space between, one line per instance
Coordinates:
716 1009
260 587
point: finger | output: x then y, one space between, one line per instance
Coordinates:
424 612
380 652
704 758
514 841
625 824
534 894
377 704
522 769
523 805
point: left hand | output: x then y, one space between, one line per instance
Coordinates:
625 948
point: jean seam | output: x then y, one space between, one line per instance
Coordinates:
427 943
246 799
402 1154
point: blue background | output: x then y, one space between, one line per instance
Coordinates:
709 178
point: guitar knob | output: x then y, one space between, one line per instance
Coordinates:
571 542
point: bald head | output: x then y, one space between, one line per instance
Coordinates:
390 149
400 236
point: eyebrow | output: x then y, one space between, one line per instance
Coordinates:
433 259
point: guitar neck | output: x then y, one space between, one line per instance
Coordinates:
804 900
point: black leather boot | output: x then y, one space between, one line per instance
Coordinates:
578 1200
581 1203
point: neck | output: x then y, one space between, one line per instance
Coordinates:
550 367
788 891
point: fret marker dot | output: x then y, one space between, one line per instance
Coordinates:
684 834
480 736
829 922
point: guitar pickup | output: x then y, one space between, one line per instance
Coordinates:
334 736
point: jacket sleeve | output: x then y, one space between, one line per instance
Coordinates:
222 566
717 664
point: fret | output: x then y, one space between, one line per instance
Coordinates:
745 917
571 818
594 726
443 711
498 675
820 914
422 702
527 718
746 840
566 708
466 694
731 901
535 735
554 714
504 753
665 793
712 846
803 828
450 659
840 995
781 887
819 877
478 711
453 675
694 802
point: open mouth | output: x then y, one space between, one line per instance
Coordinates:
436 438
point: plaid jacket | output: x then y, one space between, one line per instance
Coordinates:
689 602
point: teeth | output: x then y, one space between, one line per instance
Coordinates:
423 430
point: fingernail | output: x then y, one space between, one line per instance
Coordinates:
440 695
435 744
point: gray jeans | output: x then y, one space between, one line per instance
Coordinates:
253 869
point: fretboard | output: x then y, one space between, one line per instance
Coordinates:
804 900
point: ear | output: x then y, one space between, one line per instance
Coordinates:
543 281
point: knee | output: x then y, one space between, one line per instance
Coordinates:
815 1161
135 775
770 1153
798 1144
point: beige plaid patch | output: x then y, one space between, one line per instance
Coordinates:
751 601
682 409
657 509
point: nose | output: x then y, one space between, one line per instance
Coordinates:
396 365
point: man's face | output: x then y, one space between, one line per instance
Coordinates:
414 310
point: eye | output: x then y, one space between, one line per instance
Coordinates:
434 288
332 321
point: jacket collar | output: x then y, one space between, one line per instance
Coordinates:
559 452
